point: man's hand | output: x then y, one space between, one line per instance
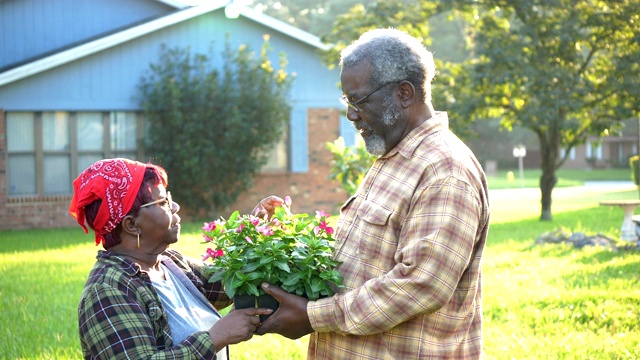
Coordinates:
267 206
290 320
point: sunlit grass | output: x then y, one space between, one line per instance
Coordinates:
540 302
505 179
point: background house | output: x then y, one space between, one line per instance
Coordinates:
496 147
69 72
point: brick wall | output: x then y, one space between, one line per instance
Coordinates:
309 191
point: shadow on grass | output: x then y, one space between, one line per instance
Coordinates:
589 220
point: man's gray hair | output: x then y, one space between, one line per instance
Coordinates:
394 55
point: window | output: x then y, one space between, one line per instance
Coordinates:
572 153
278 156
47 150
594 150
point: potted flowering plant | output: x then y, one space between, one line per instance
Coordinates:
292 251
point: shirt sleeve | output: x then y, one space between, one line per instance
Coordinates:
116 326
434 248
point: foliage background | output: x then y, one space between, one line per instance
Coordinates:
563 69
210 124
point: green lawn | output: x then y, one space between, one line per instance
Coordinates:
540 302
566 177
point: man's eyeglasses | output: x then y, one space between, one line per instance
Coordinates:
354 105
167 200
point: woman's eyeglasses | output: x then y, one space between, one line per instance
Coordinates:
167 200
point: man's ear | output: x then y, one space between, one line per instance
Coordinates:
407 93
129 225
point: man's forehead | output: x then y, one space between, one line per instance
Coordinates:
354 77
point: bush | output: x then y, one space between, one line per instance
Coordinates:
350 164
212 129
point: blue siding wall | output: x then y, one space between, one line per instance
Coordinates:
299 140
108 80
54 24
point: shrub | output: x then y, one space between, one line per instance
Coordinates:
350 164
212 128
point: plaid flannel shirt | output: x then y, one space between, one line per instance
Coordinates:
121 316
410 242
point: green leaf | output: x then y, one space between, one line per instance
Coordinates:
250 267
253 276
283 265
292 279
317 284
217 276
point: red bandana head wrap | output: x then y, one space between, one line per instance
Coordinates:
114 181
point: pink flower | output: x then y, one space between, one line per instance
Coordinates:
327 229
264 230
207 238
254 220
321 214
212 254
287 201
239 228
248 239
209 226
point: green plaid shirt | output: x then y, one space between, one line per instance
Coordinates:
121 316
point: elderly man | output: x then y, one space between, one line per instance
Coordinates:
411 239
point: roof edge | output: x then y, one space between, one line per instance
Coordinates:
175 3
106 42
92 47
283 27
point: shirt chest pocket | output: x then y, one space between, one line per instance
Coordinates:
375 238
155 312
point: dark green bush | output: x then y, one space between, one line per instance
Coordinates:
212 127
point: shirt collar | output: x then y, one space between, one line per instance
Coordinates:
409 143
128 267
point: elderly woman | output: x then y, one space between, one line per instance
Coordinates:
142 300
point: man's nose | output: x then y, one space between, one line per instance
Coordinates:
352 114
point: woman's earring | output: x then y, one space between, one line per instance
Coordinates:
138 240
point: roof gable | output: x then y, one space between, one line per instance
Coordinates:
187 12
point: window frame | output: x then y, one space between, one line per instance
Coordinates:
72 151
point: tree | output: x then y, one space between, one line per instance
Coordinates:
312 16
339 22
212 128
565 69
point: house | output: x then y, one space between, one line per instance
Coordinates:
69 72
495 148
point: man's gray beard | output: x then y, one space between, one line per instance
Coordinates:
375 143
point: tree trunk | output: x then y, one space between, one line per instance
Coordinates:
549 148
548 181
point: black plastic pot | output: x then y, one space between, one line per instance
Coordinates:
269 302
250 301
244 301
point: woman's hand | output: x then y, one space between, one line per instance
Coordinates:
236 326
267 206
